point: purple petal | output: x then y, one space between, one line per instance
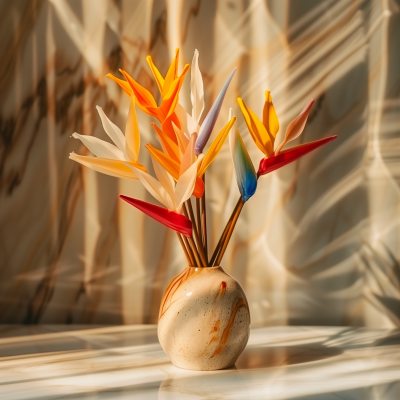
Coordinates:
209 121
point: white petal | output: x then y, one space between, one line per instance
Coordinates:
151 184
188 124
164 177
99 147
112 130
197 91
188 157
185 185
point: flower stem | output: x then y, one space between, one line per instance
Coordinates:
184 249
204 218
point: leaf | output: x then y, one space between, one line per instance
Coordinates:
296 127
268 165
245 173
209 121
170 219
216 146
197 90
132 134
99 147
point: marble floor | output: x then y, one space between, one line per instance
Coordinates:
127 362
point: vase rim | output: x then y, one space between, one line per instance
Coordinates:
214 267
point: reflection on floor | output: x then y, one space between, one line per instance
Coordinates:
127 362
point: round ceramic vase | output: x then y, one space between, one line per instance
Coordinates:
204 320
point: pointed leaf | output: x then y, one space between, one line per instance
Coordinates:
257 129
132 134
107 166
189 157
99 147
245 173
170 219
268 165
169 147
270 119
296 127
216 146
156 73
112 130
209 121
197 91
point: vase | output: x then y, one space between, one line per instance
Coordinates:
204 319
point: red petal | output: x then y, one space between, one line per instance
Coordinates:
171 219
270 164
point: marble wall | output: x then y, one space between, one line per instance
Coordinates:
319 242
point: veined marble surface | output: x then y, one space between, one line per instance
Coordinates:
319 242
127 362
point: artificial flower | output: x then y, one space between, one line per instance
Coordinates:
169 88
113 159
170 219
245 173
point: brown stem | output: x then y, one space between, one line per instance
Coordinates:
230 230
190 252
196 235
198 218
204 218
184 249
191 241
224 233
194 250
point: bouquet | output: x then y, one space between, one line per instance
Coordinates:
180 164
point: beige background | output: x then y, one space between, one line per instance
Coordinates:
318 243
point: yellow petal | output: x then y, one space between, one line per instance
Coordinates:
170 165
171 74
132 135
124 84
257 129
156 73
107 166
215 147
167 144
270 119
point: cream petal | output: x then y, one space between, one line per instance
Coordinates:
164 177
197 90
112 130
99 147
188 124
185 185
188 157
151 184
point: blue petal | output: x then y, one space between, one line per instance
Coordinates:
209 121
245 173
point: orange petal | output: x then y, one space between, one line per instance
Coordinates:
270 119
124 84
168 145
168 129
171 74
156 73
144 97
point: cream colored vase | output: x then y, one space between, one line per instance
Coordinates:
204 319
